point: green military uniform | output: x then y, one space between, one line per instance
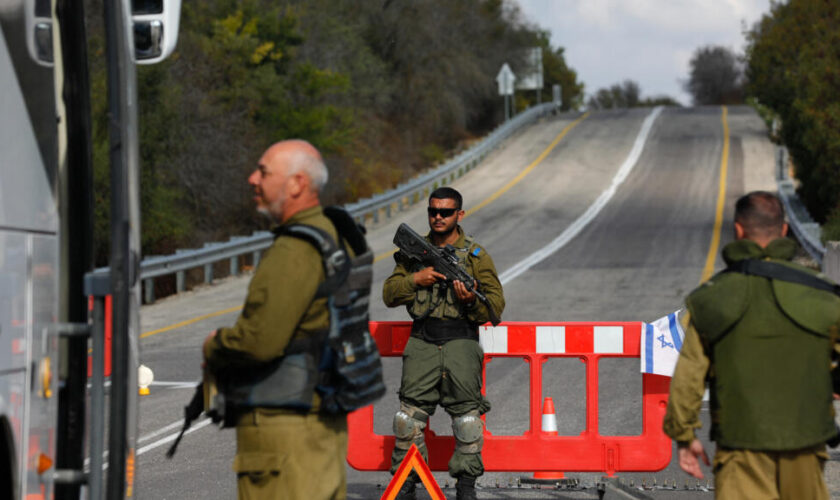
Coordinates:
442 362
283 453
765 348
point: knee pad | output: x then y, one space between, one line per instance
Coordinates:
469 432
409 423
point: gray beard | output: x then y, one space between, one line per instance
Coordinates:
267 213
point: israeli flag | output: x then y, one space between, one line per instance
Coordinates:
661 344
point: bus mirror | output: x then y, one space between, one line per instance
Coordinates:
148 36
39 33
155 29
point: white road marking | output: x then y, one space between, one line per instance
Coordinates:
176 385
168 439
162 430
581 222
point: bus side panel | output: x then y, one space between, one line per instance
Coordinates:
43 365
13 341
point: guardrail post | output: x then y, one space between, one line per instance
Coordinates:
831 261
149 284
255 256
179 282
208 273
781 164
388 211
375 215
234 265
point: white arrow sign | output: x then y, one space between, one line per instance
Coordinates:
505 79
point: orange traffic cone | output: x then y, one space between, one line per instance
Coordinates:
549 426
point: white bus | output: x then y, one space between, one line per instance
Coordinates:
51 418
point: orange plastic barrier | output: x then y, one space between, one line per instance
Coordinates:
535 450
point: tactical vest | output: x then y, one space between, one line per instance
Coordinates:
340 364
437 313
770 347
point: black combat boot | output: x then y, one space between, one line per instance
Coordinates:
465 488
408 490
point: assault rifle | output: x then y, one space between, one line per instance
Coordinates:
443 260
204 400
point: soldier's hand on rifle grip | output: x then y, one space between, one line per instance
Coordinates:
461 292
427 277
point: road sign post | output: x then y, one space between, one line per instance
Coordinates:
505 80
557 92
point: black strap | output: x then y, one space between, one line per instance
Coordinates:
781 272
348 229
335 260
439 331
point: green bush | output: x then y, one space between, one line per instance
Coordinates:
793 68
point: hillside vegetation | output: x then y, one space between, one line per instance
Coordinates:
793 68
384 89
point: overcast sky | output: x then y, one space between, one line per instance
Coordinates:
649 41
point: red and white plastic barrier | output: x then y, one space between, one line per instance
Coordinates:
535 450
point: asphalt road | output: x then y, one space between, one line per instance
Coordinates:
632 259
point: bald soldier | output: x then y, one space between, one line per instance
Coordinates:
761 333
284 452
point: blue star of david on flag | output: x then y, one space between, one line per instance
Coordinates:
664 343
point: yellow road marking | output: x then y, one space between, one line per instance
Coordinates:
379 257
528 169
724 162
385 255
190 321
513 181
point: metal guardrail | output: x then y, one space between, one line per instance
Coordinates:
363 211
417 189
807 231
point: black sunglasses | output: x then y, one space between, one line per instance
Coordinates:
444 212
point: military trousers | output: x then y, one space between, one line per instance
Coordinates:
449 375
771 475
292 456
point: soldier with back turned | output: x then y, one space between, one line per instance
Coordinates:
762 334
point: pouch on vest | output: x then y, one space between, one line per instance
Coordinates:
287 382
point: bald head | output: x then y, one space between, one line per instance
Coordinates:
760 216
289 178
300 157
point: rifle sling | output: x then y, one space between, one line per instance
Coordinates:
776 271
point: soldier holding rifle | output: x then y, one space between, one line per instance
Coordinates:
442 362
